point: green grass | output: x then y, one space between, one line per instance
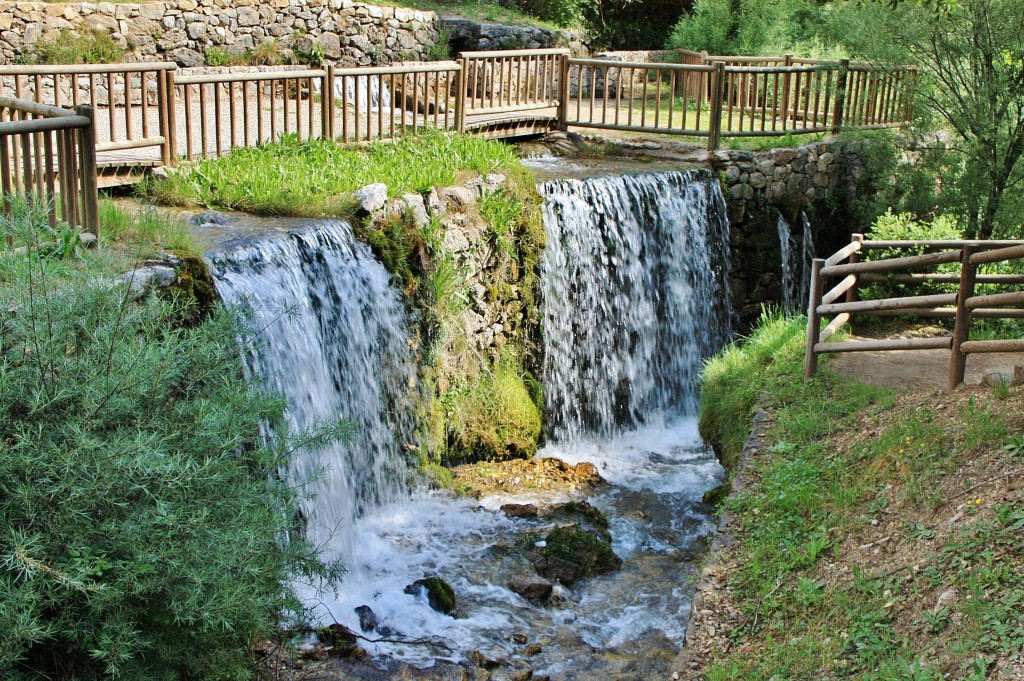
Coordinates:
316 178
71 48
839 453
479 10
145 228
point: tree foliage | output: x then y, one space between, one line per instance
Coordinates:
971 56
142 522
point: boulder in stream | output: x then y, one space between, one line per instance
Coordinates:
440 594
531 587
571 554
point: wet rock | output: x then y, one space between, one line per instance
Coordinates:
367 619
584 514
340 641
572 554
531 587
487 659
532 649
372 197
519 510
208 217
438 592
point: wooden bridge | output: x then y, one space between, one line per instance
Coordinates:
133 117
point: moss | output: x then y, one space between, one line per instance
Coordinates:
440 594
572 554
194 289
494 417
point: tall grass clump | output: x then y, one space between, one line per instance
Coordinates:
733 379
315 178
142 517
96 47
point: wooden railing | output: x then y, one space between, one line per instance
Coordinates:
215 113
737 96
129 100
384 102
512 80
841 301
48 154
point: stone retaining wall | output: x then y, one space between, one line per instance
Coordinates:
819 179
346 32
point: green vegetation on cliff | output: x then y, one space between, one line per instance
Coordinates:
877 533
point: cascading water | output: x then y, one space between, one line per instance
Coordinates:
795 258
332 340
635 294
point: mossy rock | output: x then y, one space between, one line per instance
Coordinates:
717 495
588 516
193 290
440 594
572 554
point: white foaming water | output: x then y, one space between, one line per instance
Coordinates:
635 296
635 281
795 258
332 340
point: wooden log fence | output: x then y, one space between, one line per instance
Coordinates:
48 156
962 306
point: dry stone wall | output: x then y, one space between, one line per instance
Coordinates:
819 179
341 31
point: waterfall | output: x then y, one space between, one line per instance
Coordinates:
332 340
795 258
635 283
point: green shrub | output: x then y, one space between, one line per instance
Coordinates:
141 514
70 48
558 12
707 28
902 227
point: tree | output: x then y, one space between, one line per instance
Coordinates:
971 56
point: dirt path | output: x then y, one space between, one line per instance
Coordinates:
917 369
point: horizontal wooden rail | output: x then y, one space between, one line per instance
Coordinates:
48 157
962 306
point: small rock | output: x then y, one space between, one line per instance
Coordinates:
532 649
417 208
87 239
367 619
946 599
372 197
457 198
651 145
521 639
438 592
531 587
143 278
519 510
996 379
208 217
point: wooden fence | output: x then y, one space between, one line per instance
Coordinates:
736 96
841 301
48 154
129 100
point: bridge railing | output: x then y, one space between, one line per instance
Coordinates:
507 81
737 96
211 114
841 302
129 101
48 155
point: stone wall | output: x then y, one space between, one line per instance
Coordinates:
818 179
346 32
467 34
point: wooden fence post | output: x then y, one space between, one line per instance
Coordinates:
717 93
852 294
840 107
962 329
563 92
813 320
460 98
167 101
787 61
327 104
463 98
87 172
